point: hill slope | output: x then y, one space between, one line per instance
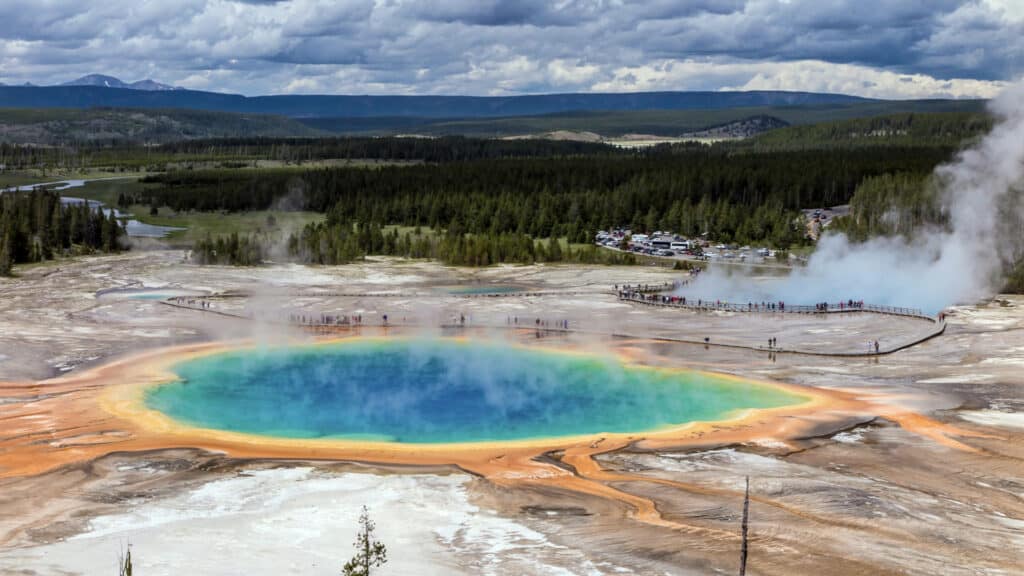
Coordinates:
416 106
616 123
111 82
58 126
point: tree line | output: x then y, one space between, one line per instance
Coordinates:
339 242
333 242
36 226
115 153
433 150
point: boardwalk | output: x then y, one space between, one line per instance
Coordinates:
335 322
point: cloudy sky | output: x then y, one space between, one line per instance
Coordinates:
880 48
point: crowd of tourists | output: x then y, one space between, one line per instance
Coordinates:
560 324
848 305
325 319
682 301
193 302
642 294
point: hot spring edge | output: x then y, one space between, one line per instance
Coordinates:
443 391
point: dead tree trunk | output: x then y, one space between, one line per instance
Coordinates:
743 543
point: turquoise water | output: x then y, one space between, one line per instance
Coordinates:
150 296
441 391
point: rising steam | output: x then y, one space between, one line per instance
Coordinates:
963 262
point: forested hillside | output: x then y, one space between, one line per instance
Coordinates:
111 126
945 129
904 204
890 205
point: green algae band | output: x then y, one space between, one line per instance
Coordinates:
441 391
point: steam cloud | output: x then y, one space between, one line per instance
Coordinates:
963 262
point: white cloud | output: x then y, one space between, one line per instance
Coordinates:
1011 10
564 72
864 81
303 86
888 48
805 75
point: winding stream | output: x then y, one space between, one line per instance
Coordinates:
133 227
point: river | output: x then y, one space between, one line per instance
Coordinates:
133 227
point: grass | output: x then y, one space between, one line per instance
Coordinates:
107 191
37 176
200 224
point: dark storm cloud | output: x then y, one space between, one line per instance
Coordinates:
884 47
490 12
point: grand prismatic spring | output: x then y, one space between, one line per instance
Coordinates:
438 391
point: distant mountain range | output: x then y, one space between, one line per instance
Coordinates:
103 107
97 90
111 82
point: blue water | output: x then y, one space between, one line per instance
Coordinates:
440 391
150 296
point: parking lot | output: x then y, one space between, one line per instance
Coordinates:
673 246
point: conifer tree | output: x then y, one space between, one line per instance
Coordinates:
370 553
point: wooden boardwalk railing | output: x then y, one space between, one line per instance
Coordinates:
771 308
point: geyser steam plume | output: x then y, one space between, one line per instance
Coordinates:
961 262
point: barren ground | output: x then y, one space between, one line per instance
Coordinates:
862 496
